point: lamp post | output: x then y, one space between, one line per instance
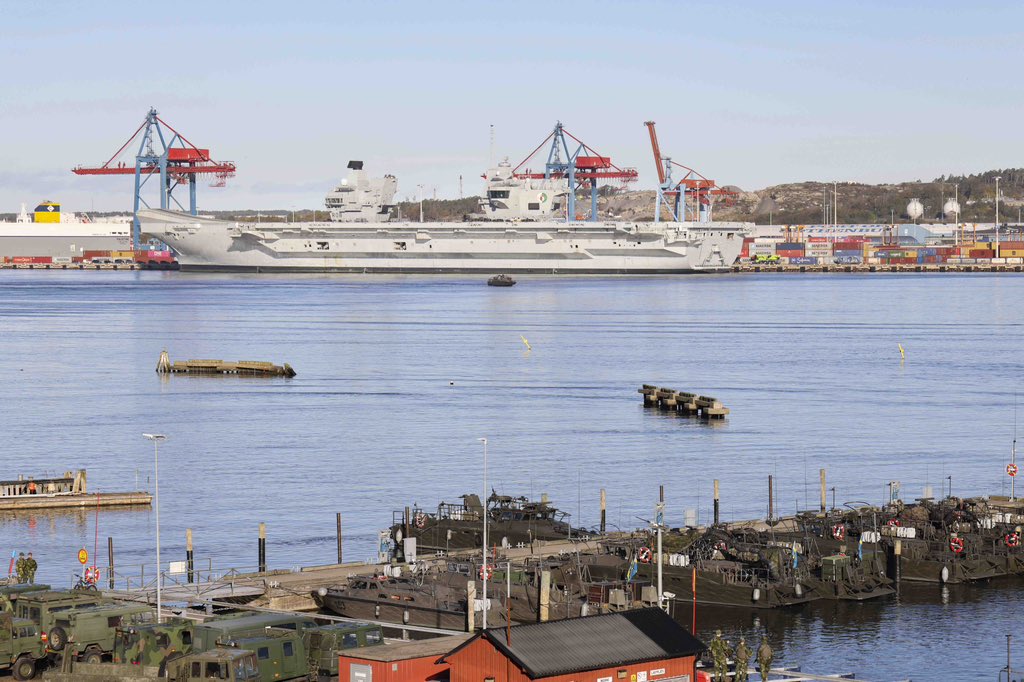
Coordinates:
483 566
420 187
157 438
997 215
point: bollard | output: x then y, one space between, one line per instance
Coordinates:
544 602
470 602
339 537
603 511
821 474
189 555
263 548
716 501
110 555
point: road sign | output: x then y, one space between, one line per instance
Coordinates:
83 556
1011 470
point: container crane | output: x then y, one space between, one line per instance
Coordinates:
673 195
166 153
582 167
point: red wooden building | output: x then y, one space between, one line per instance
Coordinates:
645 645
417 661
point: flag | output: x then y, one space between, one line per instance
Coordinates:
633 568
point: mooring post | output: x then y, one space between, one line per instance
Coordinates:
716 501
189 555
110 556
771 500
263 548
544 602
603 510
339 538
470 606
821 474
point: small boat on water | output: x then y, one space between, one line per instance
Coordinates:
501 281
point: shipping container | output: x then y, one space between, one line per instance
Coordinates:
1015 261
804 260
981 253
789 254
790 246
95 254
998 261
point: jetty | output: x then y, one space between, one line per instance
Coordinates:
251 368
64 492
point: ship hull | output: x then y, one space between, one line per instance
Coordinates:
486 247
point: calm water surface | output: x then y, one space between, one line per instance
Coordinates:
398 377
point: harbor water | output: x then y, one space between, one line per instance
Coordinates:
398 377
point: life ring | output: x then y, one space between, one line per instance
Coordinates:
1011 470
420 520
839 531
1012 540
895 522
486 572
644 555
92 575
956 545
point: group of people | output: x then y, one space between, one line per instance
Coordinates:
25 568
721 652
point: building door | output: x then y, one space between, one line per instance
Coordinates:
357 672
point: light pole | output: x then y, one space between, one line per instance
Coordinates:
483 566
157 438
835 203
420 187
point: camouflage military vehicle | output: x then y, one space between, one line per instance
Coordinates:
9 594
280 654
89 632
324 641
42 607
208 634
154 643
21 649
227 665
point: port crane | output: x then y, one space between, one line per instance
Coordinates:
581 167
165 153
673 194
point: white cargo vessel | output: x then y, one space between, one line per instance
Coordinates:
520 230
49 232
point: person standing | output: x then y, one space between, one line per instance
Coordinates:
30 569
765 655
19 568
742 658
720 655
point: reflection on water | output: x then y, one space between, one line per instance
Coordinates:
399 376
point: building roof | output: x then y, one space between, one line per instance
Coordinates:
563 647
403 651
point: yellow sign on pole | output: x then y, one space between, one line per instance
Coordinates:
83 556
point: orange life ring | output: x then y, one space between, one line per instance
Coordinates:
839 531
487 571
1011 470
420 520
895 522
956 545
644 555
1012 540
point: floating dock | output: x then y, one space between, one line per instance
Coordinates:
671 400
251 368
65 492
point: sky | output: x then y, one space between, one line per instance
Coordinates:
748 93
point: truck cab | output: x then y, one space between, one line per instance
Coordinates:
21 648
42 608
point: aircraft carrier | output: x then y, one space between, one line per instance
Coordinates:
518 230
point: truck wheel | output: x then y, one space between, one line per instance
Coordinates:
92 655
24 668
58 638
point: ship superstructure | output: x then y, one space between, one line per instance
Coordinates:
48 231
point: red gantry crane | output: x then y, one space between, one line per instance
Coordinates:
166 153
703 192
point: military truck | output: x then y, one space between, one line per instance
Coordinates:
42 607
152 644
9 594
89 632
209 633
21 649
323 642
225 664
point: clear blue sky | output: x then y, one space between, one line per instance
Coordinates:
749 93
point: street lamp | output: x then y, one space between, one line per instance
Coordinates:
997 215
157 438
483 566
420 187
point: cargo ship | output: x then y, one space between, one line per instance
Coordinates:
522 227
48 232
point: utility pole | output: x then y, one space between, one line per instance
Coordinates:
659 517
835 203
420 188
997 215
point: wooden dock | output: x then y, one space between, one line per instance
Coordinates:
689 404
